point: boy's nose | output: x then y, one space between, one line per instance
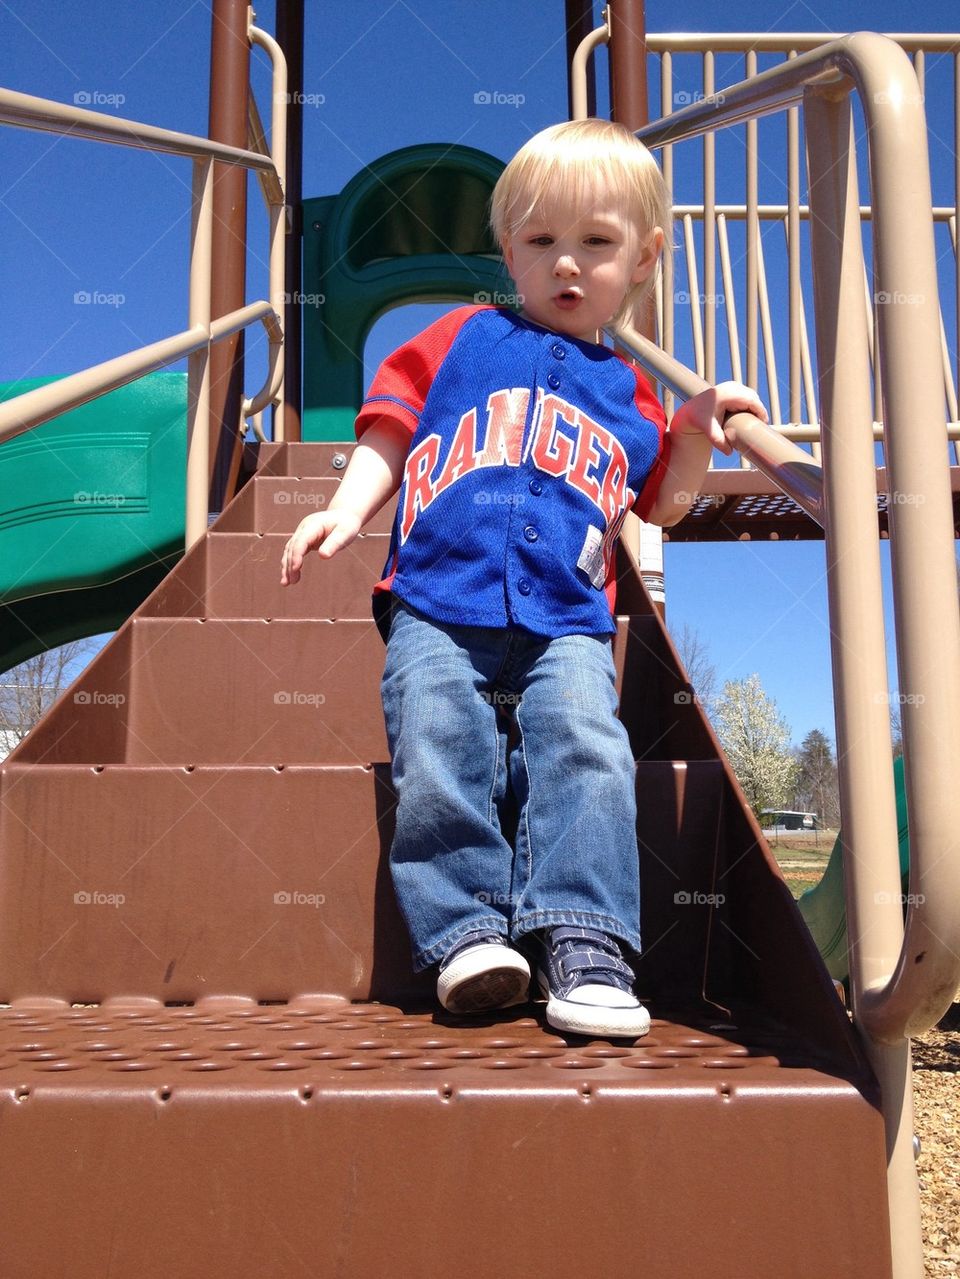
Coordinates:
566 266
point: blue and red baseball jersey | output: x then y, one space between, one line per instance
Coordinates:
527 448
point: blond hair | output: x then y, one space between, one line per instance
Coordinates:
577 161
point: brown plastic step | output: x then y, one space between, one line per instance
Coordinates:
277 504
318 1137
237 575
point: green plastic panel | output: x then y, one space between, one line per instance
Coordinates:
91 512
410 227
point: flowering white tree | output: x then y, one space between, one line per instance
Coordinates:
756 739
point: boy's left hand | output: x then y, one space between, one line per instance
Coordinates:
704 414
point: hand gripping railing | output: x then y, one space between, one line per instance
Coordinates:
903 976
30 409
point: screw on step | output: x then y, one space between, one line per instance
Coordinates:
917 1148
339 461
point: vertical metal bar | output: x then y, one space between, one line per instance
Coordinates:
871 856
753 235
290 38
766 328
709 236
730 300
794 285
229 85
579 19
694 295
668 273
956 205
198 364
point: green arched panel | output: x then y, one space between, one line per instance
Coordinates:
410 227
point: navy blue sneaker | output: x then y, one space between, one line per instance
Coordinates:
589 985
482 972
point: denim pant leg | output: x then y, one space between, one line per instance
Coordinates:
574 778
449 861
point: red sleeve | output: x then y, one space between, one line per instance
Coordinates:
403 380
649 407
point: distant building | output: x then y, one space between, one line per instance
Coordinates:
785 819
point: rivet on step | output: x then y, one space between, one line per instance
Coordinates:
165 1094
188 768
98 768
339 461
278 768
306 1093
917 1148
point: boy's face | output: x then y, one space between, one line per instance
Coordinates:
574 268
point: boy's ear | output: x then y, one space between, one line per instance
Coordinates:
649 256
506 249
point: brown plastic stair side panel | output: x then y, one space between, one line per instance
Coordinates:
358 1122
760 950
177 884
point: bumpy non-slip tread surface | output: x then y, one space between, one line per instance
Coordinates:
322 1040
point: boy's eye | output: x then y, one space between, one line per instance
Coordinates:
595 240
541 241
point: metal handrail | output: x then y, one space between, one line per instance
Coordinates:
903 976
31 408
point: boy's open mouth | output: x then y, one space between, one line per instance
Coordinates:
569 297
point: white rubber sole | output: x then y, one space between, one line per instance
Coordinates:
483 977
596 1010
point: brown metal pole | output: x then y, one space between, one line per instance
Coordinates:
628 63
290 38
229 81
579 17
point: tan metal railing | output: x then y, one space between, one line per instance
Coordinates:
903 976
32 408
714 236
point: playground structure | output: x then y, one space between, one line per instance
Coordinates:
315 1049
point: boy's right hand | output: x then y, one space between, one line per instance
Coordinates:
329 531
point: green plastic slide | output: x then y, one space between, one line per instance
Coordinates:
91 513
823 907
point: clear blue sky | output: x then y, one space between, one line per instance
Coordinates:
82 217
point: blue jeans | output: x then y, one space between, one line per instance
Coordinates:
444 692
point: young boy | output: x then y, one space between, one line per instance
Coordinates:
518 444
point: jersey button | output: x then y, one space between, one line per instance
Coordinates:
553 381
558 351
530 533
524 587
536 488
